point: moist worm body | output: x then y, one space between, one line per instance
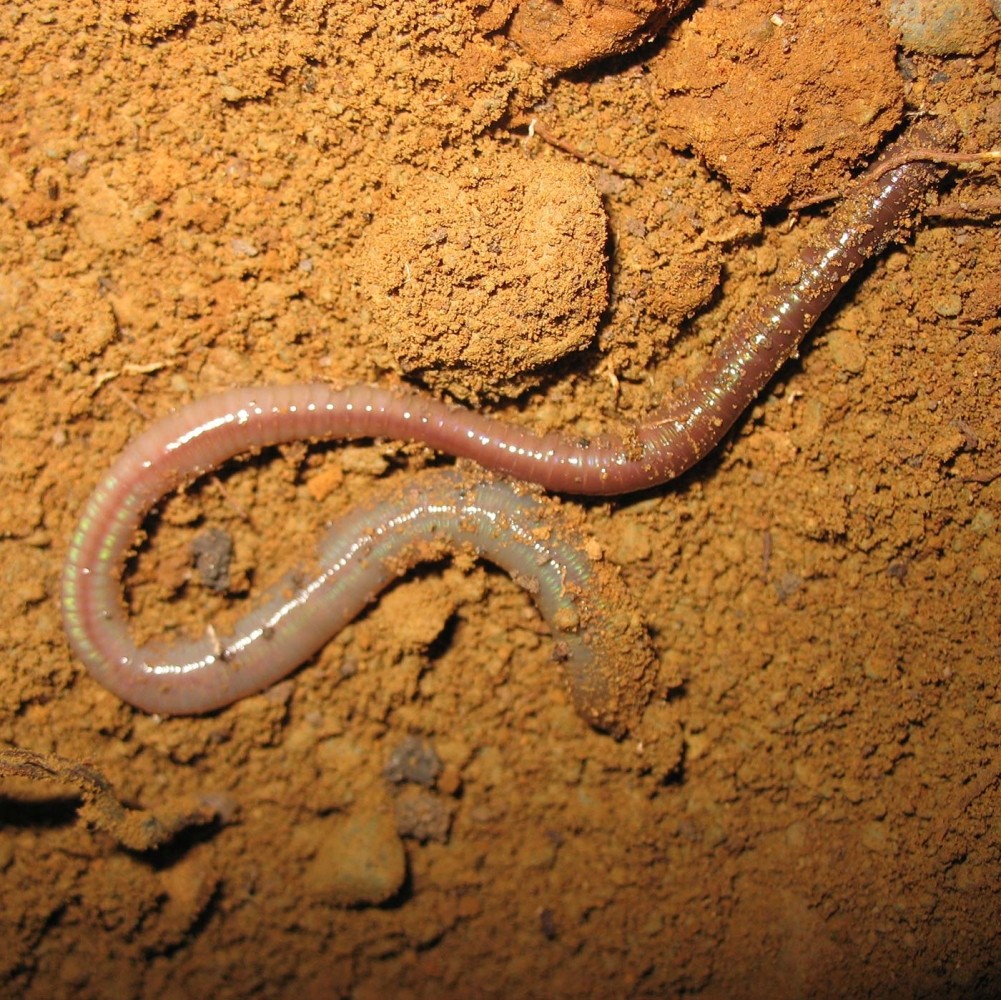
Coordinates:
199 437
602 646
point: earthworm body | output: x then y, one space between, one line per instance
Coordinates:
497 520
598 636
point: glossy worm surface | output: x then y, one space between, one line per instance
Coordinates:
599 640
492 518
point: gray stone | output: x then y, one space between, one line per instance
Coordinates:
944 27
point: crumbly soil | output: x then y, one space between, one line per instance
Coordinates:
196 194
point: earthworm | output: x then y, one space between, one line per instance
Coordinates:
599 639
199 437
672 439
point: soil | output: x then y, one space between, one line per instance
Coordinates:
196 194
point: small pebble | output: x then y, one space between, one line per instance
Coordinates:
874 837
847 350
948 306
422 815
983 523
787 585
359 860
213 554
414 760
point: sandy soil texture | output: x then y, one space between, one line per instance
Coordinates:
550 211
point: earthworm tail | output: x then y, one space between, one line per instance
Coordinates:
606 658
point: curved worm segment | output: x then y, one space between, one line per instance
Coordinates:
607 660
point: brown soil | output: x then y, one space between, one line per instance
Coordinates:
196 194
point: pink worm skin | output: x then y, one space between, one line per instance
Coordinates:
604 650
269 643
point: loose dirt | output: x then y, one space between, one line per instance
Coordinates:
201 193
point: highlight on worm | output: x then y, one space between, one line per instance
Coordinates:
493 518
603 649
